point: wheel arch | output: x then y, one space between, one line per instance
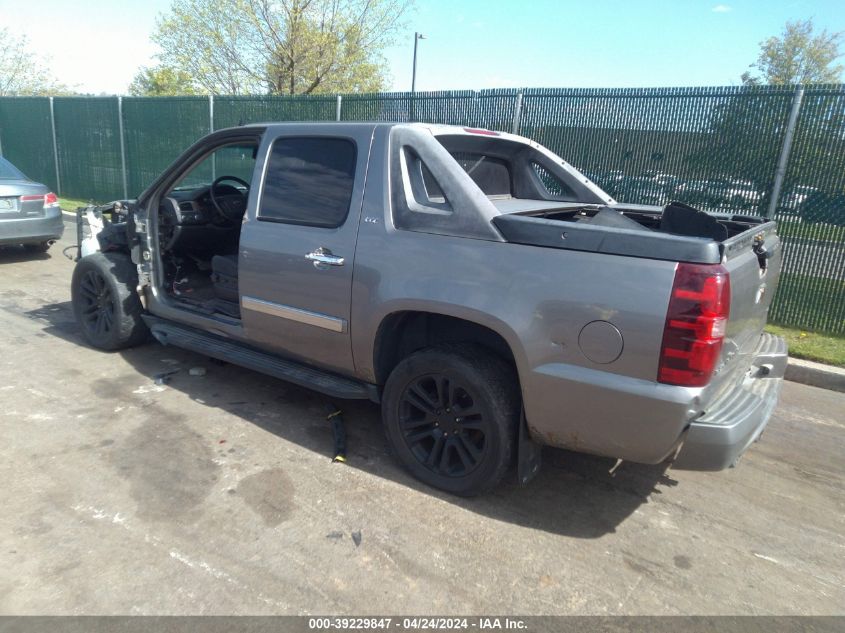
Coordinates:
403 332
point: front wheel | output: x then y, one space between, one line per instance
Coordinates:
451 416
105 304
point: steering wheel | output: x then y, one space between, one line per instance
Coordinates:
230 205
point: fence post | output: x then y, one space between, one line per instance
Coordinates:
517 113
785 150
122 146
339 102
55 148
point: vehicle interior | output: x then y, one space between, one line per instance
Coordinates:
199 226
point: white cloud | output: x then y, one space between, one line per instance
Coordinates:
721 8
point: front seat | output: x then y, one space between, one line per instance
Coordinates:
224 276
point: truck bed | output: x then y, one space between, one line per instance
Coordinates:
628 230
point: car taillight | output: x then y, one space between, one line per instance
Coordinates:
49 199
695 324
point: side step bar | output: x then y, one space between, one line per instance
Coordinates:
169 333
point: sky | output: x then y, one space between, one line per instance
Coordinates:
97 46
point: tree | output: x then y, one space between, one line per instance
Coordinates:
22 72
162 81
280 46
798 56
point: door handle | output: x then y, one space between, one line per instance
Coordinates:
323 258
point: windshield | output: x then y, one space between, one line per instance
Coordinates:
9 172
230 160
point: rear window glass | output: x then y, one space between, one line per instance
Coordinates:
309 181
9 171
492 175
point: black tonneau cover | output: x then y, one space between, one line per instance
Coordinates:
578 236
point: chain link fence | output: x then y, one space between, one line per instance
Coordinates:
777 151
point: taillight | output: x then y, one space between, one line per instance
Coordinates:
482 132
49 199
695 324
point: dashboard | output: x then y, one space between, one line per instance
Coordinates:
188 224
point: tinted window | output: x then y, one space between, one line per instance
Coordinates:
309 181
492 175
9 171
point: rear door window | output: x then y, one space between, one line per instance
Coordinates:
308 181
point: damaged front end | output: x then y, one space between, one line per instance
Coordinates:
102 228
114 227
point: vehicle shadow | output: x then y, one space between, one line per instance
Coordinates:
575 495
15 254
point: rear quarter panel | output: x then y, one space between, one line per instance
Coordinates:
538 300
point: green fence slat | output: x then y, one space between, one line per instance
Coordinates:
87 136
26 137
156 130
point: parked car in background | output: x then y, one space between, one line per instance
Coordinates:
719 194
743 194
824 207
640 190
795 197
29 211
668 182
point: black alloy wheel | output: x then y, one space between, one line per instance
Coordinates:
105 301
442 426
451 414
98 312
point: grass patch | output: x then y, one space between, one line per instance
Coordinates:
822 348
70 204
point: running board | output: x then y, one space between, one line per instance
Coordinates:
169 333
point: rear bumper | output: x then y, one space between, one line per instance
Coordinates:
27 230
719 438
644 421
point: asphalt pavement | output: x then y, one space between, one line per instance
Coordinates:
216 494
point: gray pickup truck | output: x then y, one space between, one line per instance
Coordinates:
485 292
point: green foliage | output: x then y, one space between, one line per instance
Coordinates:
162 82
798 56
279 46
22 71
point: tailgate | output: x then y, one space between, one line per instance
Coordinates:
754 281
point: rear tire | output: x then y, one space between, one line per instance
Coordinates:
37 247
451 415
105 304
